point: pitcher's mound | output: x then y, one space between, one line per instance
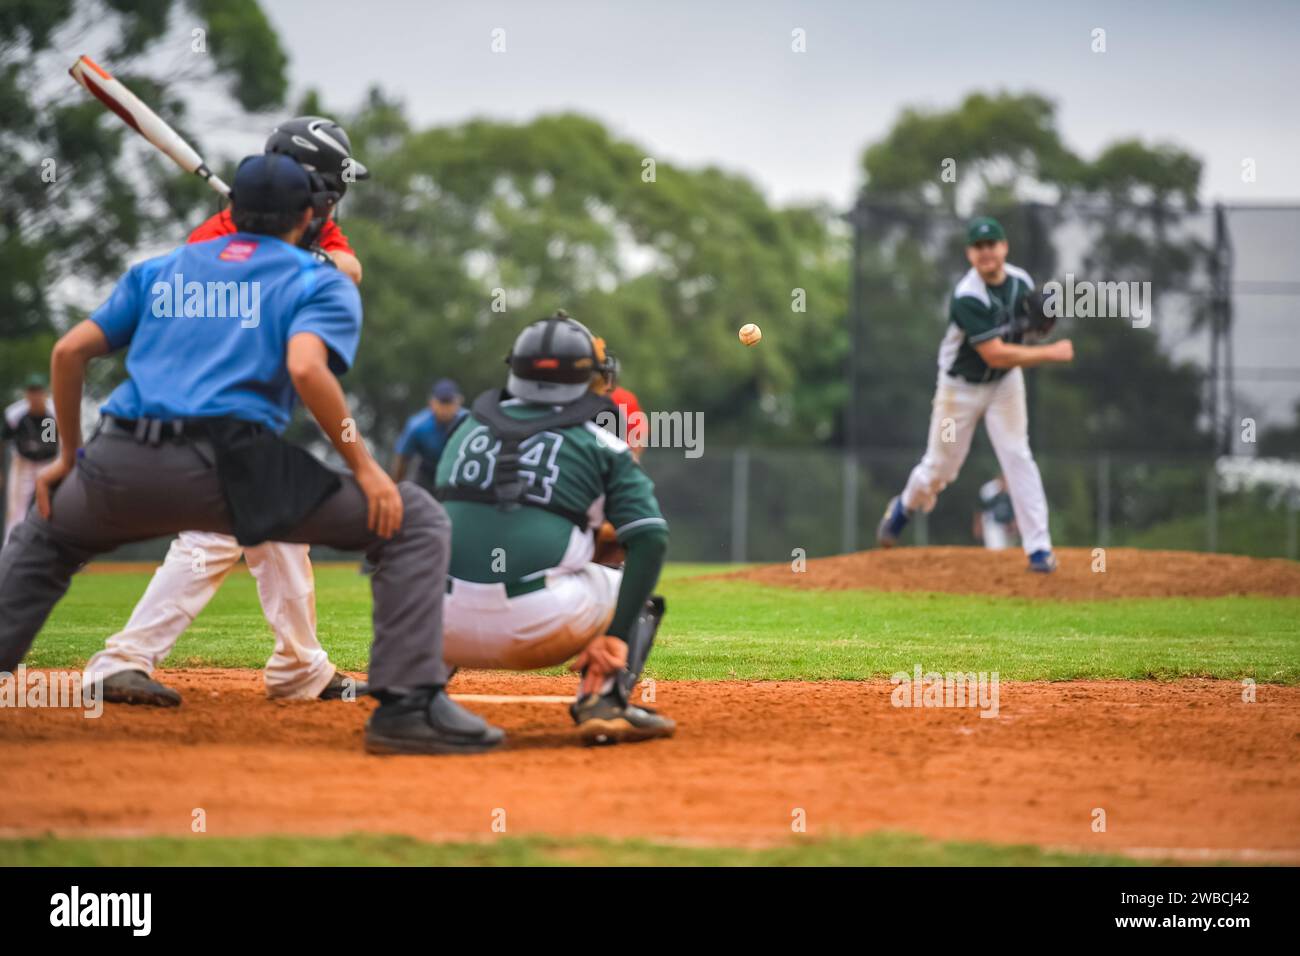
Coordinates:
1128 572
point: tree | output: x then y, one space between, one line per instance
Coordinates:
81 191
469 232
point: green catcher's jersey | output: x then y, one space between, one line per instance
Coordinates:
978 313
582 468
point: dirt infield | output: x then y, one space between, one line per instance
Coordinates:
1129 572
1185 767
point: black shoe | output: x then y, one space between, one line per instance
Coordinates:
605 719
136 687
427 721
340 684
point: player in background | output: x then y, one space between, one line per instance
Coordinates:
426 432
994 524
28 425
322 146
632 430
629 408
526 481
198 561
980 377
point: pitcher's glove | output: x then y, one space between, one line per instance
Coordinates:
1033 317
608 551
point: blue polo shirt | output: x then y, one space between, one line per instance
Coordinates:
425 437
207 327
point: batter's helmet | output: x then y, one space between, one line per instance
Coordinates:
322 146
553 360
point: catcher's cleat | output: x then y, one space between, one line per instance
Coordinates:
137 687
605 719
340 684
892 523
427 721
1043 562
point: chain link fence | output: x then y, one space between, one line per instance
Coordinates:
750 504
1224 283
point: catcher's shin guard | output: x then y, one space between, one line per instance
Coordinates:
640 639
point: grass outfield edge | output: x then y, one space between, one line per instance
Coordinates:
875 849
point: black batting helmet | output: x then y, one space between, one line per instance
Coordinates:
553 360
322 146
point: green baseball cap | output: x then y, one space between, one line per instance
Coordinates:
34 381
984 229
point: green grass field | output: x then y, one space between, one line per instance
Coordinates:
878 849
718 630
715 630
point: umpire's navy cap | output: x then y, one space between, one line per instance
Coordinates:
271 182
445 390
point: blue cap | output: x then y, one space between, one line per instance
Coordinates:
445 390
271 182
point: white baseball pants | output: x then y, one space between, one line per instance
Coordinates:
996 535
20 489
196 564
958 407
484 628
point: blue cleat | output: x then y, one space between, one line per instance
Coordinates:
892 524
1044 562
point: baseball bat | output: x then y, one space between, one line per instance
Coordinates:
135 114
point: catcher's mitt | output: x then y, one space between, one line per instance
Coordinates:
608 551
1033 318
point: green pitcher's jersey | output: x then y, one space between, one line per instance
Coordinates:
582 468
978 313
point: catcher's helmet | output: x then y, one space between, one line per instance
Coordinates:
553 360
322 146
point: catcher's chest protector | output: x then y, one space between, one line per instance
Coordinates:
508 486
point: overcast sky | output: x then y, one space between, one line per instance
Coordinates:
719 83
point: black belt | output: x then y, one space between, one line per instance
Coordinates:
154 431
513 588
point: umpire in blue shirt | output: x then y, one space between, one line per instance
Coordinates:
220 337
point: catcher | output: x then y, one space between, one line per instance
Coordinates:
526 480
994 309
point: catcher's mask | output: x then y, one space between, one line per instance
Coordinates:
609 373
553 361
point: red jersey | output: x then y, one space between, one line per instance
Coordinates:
628 406
331 236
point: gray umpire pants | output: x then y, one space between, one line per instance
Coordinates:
123 491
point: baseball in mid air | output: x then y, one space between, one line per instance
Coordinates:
751 334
